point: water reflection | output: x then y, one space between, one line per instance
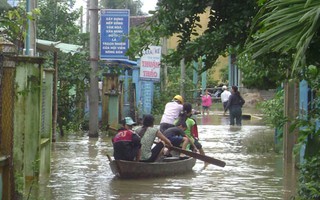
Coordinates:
80 170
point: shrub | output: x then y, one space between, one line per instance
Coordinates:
309 179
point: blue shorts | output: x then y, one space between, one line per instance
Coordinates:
176 140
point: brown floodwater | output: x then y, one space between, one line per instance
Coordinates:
80 169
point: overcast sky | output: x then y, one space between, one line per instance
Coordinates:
148 5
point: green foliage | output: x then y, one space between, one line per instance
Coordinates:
273 110
224 74
57 22
140 38
19 184
309 179
266 72
73 83
212 83
4 5
292 28
161 98
173 88
227 27
15 23
309 135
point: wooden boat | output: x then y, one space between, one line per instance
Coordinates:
167 167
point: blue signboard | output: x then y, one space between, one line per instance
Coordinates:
147 91
114 41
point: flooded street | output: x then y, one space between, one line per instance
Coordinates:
80 169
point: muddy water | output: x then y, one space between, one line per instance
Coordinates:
80 169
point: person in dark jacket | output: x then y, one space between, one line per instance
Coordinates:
234 105
126 143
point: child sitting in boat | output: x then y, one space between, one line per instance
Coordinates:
126 144
148 133
191 131
177 135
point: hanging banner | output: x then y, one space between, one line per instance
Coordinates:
114 41
150 64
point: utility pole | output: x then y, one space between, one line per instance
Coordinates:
87 16
81 19
93 90
165 68
183 78
30 42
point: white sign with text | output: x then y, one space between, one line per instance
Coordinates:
150 64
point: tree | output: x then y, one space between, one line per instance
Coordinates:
291 28
227 27
4 5
226 32
57 22
13 25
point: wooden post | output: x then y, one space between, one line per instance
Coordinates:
55 96
291 105
110 101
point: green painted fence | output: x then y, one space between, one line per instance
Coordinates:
25 121
32 119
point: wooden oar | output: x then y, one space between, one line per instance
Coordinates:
204 158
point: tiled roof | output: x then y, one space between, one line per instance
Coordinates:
138 20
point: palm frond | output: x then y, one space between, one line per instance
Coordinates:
286 25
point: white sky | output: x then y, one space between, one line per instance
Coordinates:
147 4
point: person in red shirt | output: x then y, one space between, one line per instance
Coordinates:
126 143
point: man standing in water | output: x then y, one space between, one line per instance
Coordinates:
225 96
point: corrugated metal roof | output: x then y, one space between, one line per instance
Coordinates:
46 45
125 62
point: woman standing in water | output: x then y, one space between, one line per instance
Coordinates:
206 102
234 105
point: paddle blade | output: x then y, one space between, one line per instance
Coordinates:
204 158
